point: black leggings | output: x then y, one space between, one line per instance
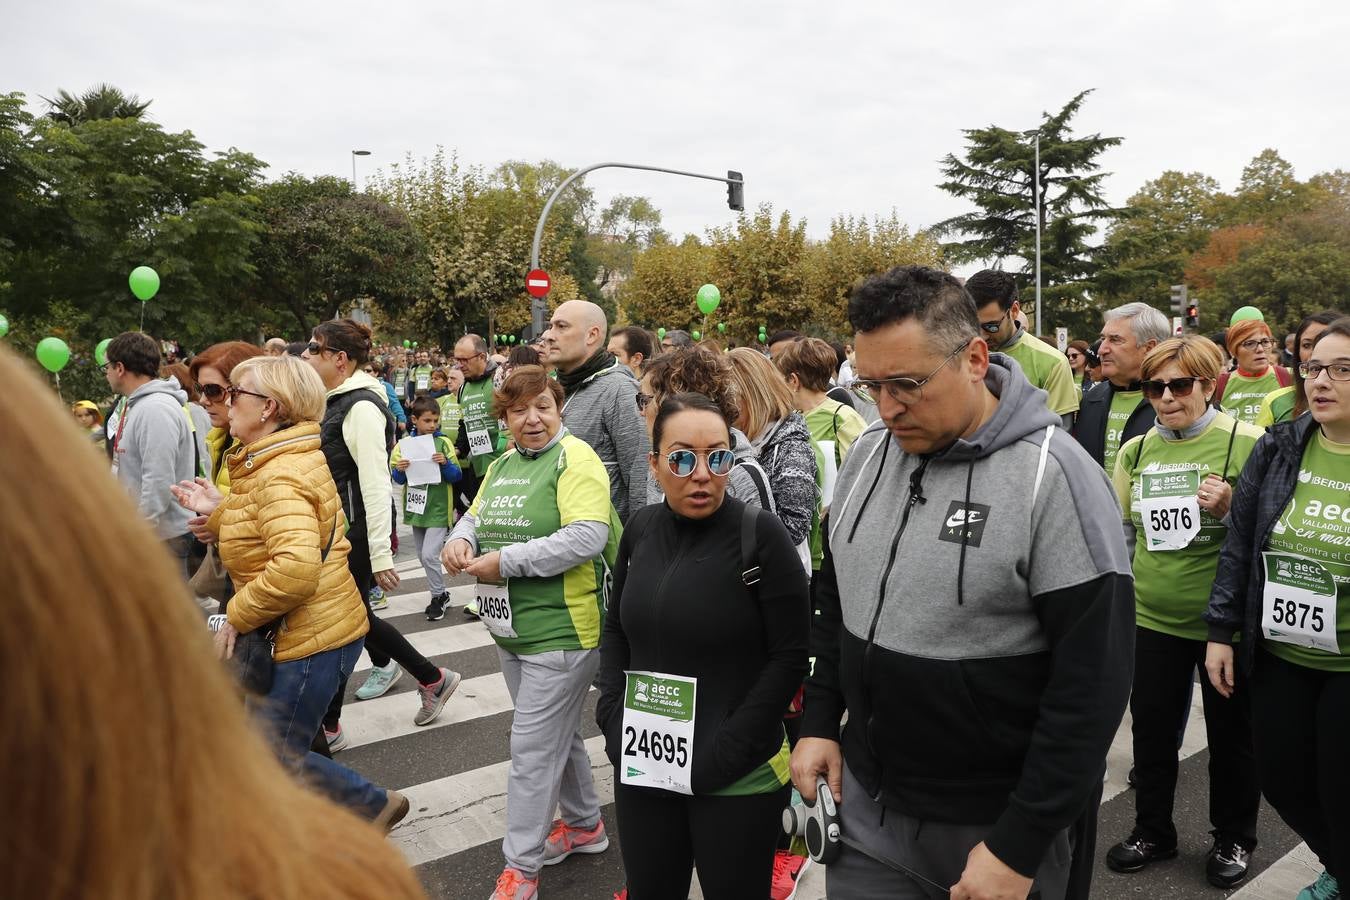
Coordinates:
1302 727
730 839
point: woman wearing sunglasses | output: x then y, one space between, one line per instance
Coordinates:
1283 585
1240 392
209 371
705 643
1173 483
540 537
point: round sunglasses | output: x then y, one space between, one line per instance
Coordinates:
682 463
1180 387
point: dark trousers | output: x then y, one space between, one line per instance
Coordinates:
1302 724
729 839
1164 672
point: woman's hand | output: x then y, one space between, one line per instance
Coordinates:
199 496
487 567
438 458
225 639
387 579
1215 496
1219 665
456 555
402 465
199 530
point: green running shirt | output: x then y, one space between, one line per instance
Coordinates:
475 402
1277 407
1123 403
1047 369
1316 524
1171 587
522 499
1243 394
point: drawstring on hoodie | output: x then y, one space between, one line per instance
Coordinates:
881 467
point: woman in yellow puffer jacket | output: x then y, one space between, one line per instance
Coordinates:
281 537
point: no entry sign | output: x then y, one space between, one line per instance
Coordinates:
537 283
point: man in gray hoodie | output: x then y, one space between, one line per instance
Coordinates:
600 402
153 445
975 617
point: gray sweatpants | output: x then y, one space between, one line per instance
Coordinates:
935 851
550 768
429 542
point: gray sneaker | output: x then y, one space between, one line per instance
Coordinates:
434 699
379 681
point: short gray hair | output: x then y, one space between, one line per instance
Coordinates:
1146 322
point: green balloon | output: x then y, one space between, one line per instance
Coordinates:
1246 312
722 327
708 298
696 336
661 333
144 282
510 338
101 352
4 326
407 343
53 354
414 344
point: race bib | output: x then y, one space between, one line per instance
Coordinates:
494 608
423 382
1169 508
480 442
658 731
416 499
1299 603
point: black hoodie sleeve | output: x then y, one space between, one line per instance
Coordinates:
824 697
1090 630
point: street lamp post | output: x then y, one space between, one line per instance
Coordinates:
355 154
538 305
1038 234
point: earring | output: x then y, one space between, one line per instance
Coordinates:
263 419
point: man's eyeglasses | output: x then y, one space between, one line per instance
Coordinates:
993 327
682 463
1180 387
233 391
904 390
463 360
1335 371
643 400
213 392
1258 343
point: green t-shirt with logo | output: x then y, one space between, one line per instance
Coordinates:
475 403
420 376
1171 587
1243 394
524 498
1047 369
1123 404
451 414
1316 524
437 511
1277 407
830 421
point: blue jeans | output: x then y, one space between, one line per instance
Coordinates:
292 713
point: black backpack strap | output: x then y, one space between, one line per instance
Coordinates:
756 473
749 547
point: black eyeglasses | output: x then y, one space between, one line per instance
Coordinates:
1255 343
1180 387
1335 371
904 390
233 391
643 400
682 463
993 327
213 392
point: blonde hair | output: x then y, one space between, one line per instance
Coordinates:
761 392
292 383
165 789
1194 355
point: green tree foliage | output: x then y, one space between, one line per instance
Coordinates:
100 102
997 175
327 248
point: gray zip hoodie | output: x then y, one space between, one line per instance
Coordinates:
602 412
154 451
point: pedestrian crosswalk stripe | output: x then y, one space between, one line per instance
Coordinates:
450 639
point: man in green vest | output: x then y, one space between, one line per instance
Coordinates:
419 377
996 303
479 439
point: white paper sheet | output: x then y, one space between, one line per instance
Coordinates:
417 451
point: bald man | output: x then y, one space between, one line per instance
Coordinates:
600 405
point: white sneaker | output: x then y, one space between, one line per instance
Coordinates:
379 681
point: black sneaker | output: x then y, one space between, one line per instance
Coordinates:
1227 863
436 608
1135 852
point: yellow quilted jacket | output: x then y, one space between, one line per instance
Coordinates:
272 528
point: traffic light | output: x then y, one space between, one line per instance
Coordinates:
1178 299
735 191
1193 315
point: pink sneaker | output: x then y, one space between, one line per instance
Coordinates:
513 885
564 840
787 871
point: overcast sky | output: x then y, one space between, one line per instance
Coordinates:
827 107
